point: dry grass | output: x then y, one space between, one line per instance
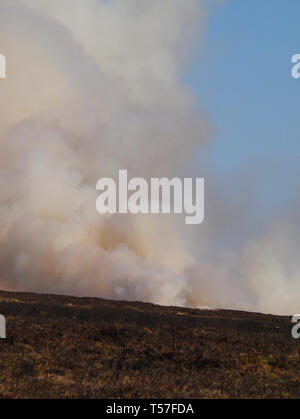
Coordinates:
92 348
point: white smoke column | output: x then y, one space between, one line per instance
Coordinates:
270 265
93 87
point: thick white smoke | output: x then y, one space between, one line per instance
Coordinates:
93 87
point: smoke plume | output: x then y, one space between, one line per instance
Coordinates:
93 87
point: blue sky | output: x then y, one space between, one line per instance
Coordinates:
242 78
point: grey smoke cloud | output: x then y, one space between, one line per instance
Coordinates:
94 87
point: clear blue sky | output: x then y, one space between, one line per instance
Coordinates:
242 78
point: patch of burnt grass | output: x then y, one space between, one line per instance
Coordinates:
67 347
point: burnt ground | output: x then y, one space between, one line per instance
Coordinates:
66 347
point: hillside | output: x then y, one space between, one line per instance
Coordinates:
61 346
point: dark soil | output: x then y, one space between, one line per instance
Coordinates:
66 347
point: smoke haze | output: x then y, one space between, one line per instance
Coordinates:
94 87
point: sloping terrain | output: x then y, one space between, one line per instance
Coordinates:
61 346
